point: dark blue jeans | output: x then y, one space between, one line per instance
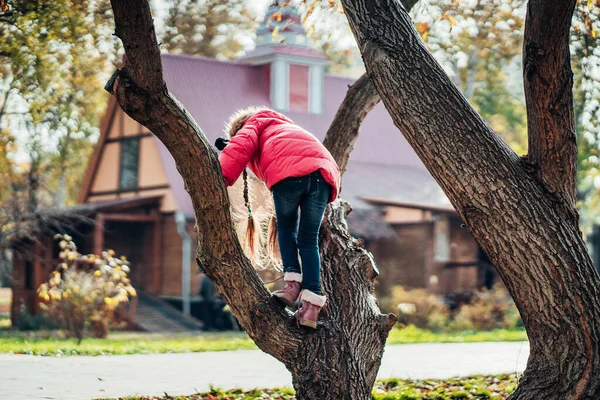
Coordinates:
310 194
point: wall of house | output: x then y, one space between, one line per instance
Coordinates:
416 253
463 273
151 174
172 251
134 241
31 267
414 261
401 215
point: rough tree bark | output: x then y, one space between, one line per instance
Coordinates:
361 98
337 361
522 216
549 96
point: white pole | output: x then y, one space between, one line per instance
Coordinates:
186 254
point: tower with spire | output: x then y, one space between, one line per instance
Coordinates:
282 25
296 71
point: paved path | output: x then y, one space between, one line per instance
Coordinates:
32 377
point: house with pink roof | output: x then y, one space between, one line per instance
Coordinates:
137 199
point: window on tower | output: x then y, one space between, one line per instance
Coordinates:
299 87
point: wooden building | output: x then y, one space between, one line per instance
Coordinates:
137 200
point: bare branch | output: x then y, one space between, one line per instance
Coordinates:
359 101
141 92
549 95
343 132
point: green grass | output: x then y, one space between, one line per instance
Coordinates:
123 343
412 334
50 344
476 387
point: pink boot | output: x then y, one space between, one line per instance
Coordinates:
289 294
308 313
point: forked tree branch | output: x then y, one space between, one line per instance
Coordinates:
549 95
360 99
141 92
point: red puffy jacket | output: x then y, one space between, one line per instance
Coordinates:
274 149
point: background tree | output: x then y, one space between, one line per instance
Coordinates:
585 50
53 56
50 57
209 28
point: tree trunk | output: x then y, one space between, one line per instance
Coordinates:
61 191
529 234
341 358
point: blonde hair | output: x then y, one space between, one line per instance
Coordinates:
234 124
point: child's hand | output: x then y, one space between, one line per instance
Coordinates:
221 142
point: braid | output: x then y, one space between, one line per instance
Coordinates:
273 238
246 193
251 229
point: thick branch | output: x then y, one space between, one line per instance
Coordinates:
141 92
429 110
360 99
343 132
548 92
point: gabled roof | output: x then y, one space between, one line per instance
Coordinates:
382 164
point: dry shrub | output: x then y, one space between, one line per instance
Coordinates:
417 307
488 310
84 290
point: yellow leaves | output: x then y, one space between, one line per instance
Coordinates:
309 12
275 16
424 36
449 17
590 4
83 293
